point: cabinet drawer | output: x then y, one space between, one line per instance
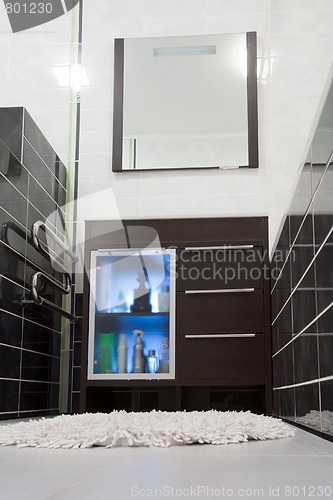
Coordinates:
224 267
219 312
237 360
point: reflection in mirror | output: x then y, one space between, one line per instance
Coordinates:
185 102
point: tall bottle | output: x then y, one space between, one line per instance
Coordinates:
138 357
163 355
122 354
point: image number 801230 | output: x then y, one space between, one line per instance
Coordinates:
29 8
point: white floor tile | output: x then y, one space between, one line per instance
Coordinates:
255 469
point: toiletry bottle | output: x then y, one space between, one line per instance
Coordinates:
164 299
141 302
152 361
163 355
121 305
138 357
122 354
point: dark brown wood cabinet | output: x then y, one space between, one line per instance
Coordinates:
223 342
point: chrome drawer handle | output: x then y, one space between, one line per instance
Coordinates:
223 290
220 335
223 247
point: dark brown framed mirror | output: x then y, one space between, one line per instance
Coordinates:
185 102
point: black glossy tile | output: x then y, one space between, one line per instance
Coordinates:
9 390
54 373
11 128
304 308
39 142
324 267
284 280
35 366
301 272
322 225
10 329
306 357
36 166
307 399
11 295
283 367
12 263
326 389
41 339
325 321
325 353
10 165
54 397
284 319
10 362
287 403
40 199
34 396
13 186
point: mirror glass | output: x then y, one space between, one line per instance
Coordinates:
185 102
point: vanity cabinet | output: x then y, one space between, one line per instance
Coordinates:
221 344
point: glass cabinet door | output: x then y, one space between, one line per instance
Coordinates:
132 315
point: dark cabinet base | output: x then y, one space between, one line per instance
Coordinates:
188 398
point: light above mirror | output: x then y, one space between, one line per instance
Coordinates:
185 102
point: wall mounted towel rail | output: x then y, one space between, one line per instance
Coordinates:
39 225
50 305
8 225
41 278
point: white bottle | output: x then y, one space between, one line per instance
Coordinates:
122 354
164 299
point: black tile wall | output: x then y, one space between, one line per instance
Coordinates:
32 186
302 305
11 129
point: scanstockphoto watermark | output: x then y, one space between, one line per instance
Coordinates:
204 491
25 14
196 491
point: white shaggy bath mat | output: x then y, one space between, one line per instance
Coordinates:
155 428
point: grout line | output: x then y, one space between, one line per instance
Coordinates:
302 384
